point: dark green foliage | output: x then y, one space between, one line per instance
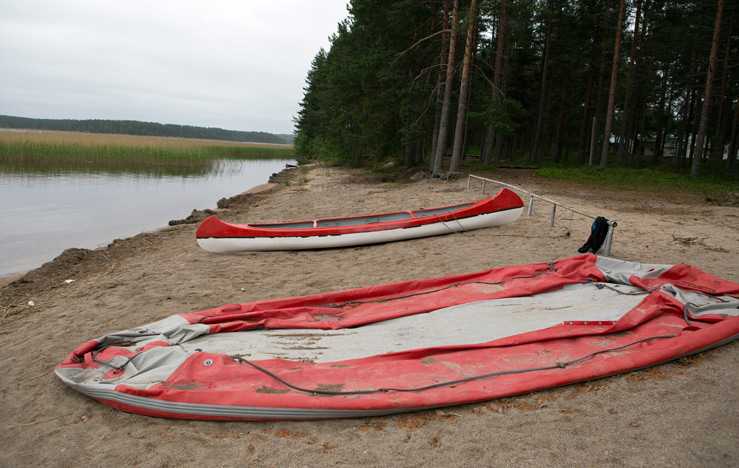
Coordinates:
505 115
372 95
133 127
366 99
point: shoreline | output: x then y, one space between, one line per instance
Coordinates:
7 278
195 217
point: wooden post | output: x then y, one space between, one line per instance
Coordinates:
554 213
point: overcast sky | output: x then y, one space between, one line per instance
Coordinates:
234 64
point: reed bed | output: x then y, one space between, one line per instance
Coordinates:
97 139
51 152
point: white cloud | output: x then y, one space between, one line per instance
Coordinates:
233 64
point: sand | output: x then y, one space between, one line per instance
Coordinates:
685 413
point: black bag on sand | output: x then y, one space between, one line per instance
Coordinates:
598 233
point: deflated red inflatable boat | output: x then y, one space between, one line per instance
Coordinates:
412 345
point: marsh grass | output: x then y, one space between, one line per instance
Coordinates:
60 152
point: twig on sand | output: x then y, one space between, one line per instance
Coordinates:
688 240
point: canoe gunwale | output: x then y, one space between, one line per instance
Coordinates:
369 228
214 228
316 222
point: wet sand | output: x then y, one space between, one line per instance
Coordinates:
685 413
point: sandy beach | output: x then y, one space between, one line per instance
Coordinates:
685 413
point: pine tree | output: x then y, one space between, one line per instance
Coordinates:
470 44
612 88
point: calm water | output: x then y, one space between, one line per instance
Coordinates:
41 214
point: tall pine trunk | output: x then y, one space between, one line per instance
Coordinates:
688 124
534 155
500 138
597 105
662 123
626 124
719 135
733 143
440 82
444 121
495 88
502 84
612 89
584 141
487 141
695 167
463 87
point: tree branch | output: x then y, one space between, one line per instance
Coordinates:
495 88
427 69
415 44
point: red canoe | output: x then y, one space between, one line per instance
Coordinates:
215 235
411 345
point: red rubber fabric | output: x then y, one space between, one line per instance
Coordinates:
344 309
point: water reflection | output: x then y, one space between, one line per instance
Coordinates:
154 167
46 209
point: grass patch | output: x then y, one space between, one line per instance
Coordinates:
54 152
647 179
43 150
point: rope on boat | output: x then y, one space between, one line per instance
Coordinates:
556 365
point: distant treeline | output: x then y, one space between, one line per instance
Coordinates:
134 127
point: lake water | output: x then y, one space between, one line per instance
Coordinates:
43 213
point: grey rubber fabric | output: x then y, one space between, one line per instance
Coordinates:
173 329
473 322
697 303
619 271
144 368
